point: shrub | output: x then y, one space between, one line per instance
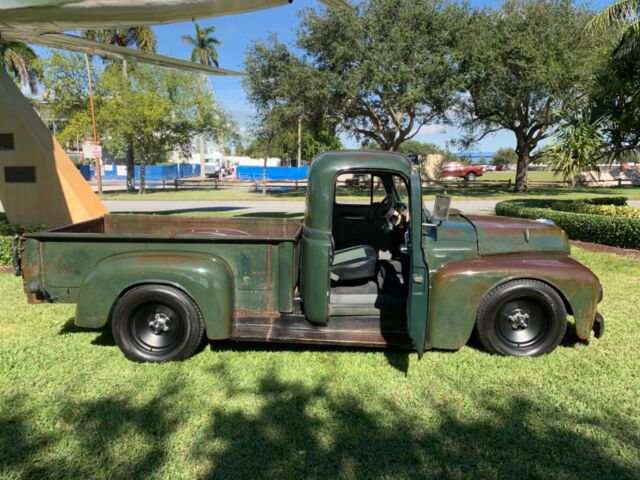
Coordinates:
602 227
7 231
5 250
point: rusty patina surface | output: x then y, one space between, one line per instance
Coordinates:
268 279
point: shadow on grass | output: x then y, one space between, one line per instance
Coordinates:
104 336
312 430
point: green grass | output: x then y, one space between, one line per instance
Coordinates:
71 406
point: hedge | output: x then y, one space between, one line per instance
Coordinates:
602 228
7 231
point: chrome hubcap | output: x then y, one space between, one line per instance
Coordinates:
160 323
519 319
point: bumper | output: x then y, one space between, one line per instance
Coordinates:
598 326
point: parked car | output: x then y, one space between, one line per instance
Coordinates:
460 170
383 272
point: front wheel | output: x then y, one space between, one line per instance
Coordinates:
521 318
157 323
471 177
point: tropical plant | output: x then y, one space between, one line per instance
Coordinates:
142 38
623 17
204 45
20 61
579 146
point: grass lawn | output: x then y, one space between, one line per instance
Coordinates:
71 406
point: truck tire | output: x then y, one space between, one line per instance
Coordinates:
470 177
521 318
157 323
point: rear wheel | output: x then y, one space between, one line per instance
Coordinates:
522 318
157 323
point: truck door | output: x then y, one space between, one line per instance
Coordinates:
418 288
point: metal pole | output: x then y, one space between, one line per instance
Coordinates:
93 122
299 140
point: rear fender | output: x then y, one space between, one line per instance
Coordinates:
459 287
207 279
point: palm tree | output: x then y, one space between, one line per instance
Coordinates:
204 46
143 38
19 60
204 52
622 16
579 146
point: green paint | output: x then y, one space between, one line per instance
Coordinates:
225 269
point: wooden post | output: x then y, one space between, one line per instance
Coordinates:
175 183
619 182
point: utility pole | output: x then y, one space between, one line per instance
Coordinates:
299 140
93 122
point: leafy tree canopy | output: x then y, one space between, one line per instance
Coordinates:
378 73
523 66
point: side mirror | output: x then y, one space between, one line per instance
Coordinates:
441 208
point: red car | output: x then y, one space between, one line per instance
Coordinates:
460 170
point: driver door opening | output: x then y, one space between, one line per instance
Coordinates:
369 262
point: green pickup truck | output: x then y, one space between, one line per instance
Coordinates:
382 271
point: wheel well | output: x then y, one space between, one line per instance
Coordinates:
141 284
566 303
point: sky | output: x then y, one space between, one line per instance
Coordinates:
238 32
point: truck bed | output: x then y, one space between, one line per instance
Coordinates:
163 227
262 254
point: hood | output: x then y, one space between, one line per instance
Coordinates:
511 235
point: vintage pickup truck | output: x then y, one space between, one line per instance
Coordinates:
382 272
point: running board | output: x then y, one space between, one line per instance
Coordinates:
345 331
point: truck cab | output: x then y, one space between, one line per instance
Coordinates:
368 266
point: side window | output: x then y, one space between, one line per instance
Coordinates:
353 188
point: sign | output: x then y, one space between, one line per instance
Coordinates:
91 151
121 170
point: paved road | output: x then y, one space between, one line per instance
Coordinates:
467 206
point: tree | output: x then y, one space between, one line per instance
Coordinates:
19 61
579 145
379 73
616 99
204 45
203 52
142 38
504 156
523 66
622 18
161 110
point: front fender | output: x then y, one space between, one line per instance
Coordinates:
207 279
458 288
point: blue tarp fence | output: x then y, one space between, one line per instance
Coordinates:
151 172
274 174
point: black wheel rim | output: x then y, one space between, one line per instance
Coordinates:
522 323
157 328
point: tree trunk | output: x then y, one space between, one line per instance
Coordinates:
203 170
522 165
131 175
142 181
